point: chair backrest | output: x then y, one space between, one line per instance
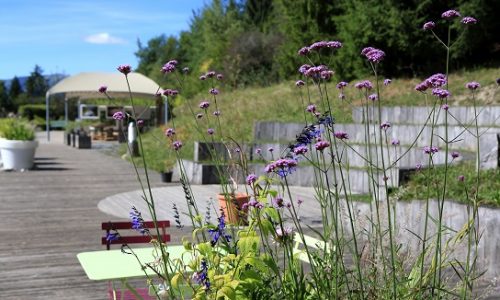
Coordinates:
123 227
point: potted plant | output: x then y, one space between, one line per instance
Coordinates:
168 166
17 144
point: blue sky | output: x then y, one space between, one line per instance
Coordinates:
72 36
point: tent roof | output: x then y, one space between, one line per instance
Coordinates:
86 85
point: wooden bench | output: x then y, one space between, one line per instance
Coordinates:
313 244
123 227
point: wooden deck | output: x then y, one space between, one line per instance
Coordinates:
50 214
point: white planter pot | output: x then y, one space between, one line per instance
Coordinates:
17 155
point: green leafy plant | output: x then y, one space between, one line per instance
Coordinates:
15 129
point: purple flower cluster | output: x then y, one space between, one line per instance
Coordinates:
201 277
300 150
170 92
434 81
341 85
429 25
311 108
177 145
430 150
169 132
282 166
320 71
216 113
214 91
441 93
204 104
278 202
124 69
445 107
321 145
469 20
300 83
373 97
455 154
284 235
386 125
373 54
320 45
252 203
169 67
341 135
395 142
119 115
387 81
367 84
472 85
137 221
103 89
450 14
252 178
210 131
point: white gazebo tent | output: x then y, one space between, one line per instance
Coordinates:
86 86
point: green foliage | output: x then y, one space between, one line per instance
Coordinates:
489 184
16 129
36 85
15 88
5 101
30 111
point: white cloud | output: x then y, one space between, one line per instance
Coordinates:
104 38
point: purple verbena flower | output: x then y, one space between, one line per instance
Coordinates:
334 44
429 25
299 83
258 151
103 89
278 202
282 166
395 142
204 104
418 167
421 87
270 149
300 150
210 74
373 97
318 45
440 93
168 68
387 81
375 55
436 80
321 145
124 69
469 21
169 132
210 131
216 113
341 135
449 14
445 107
386 125
177 145
304 51
326 75
119 115
364 84
140 122
455 154
430 150
185 70
214 91
303 69
472 85
311 108
203 77
252 178
461 178
341 85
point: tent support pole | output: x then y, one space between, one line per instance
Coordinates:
47 116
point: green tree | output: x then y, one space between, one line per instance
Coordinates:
15 88
5 102
36 85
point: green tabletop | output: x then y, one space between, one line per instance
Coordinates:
114 264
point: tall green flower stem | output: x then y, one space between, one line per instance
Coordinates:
151 203
384 170
438 253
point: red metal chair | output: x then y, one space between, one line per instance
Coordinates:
122 228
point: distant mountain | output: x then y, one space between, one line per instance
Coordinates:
52 79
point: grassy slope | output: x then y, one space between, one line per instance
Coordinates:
285 103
